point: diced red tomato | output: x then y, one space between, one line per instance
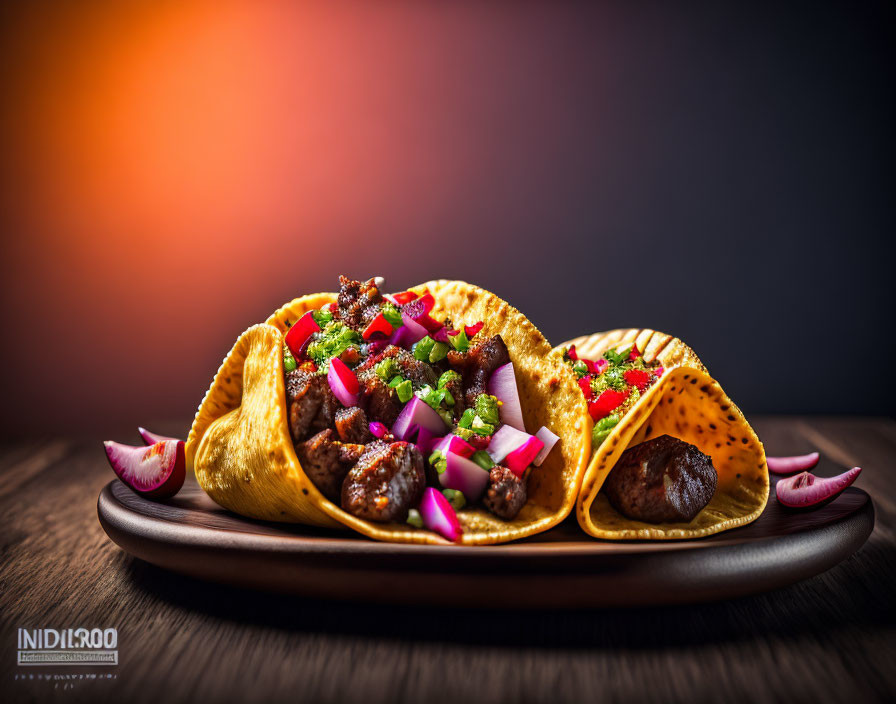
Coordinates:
597 368
572 354
404 297
378 324
639 378
585 385
606 403
297 336
471 330
480 442
634 354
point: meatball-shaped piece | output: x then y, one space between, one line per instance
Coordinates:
326 461
477 365
664 479
351 424
386 482
506 493
310 401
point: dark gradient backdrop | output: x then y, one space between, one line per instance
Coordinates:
173 172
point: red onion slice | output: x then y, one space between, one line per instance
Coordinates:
505 441
454 444
409 333
417 415
523 456
156 472
464 475
151 438
549 440
344 383
808 491
502 385
789 465
377 429
438 515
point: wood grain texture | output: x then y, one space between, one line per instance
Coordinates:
830 638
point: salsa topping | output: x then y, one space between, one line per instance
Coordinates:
612 384
399 416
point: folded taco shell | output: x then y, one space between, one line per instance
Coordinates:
241 451
686 403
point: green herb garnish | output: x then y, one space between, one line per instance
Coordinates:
392 314
331 342
387 369
460 342
447 378
438 353
486 407
602 429
423 349
482 458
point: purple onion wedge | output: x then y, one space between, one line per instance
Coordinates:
438 515
417 414
156 472
464 475
808 491
151 438
790 465
502 385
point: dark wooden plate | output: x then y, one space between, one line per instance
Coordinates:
560 568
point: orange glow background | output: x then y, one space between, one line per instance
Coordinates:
175 171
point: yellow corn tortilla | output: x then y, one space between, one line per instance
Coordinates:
686 403
242 454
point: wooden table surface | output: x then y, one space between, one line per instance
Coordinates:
830 638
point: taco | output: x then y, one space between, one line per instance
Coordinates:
674 457
433 415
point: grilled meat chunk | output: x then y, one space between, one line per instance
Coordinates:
663 479
310 402
385 483
326 461
505 494
477 365
358 302
409 367
351 425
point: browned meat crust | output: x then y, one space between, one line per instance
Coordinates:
326 461
310 402
663 479
506 493
351 425
477 365
385 483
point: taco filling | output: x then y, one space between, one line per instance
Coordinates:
398 417
661 480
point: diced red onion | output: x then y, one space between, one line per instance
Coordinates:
442 334
505 441
409 333
549 440
464 475
438 515
151 438
415 415
377 429
343 383
502 385
418 310
298 335
454 444
523 456
425 440
791 465
572 354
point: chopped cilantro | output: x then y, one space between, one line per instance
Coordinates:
447 378
404 390
439 352
481 457
387 369
423 348
464 433
466 420
487 408
322 316
438 461
332 341
392 314
480 427
602 429
289 362
580 368
617 357
455 498
460 342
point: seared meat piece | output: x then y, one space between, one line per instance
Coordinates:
358 303
351 424
326 461
379 398
456 388
506 493
310 402
386 482
408 366
664 479
477 365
